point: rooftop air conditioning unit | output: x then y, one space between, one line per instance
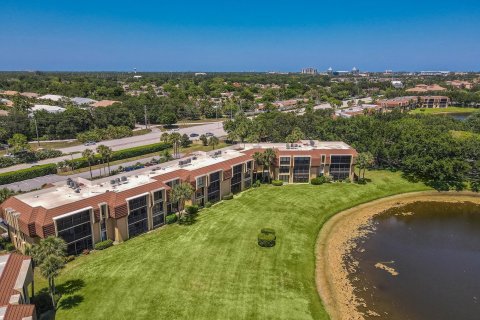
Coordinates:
112 182
124 178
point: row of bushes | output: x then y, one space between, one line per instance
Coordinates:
104 244
29 173
29 156
108 133
122 154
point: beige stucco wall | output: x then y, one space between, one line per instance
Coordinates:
121 229
225 188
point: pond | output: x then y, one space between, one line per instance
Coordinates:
420 261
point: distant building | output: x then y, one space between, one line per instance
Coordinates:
330 70
397 84
355 71
31 95
52 97
309 71
422 88
460 84
200 74
412 102
433 102
103 103
82 101
434 73
44 107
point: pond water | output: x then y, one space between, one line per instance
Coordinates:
458 116
421 261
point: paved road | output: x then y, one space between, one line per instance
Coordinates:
214 127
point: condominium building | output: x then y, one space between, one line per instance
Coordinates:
309 71
84 212
433 101
16 279
412 102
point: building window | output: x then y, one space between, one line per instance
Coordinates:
284 177
301 169
340 167
213 189
158 214
76 230
284 169
236 182
137 217
285 161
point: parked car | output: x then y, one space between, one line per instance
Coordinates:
193 135
209 134
90 143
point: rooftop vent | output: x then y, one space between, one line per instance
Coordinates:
124 178
77 190
112 182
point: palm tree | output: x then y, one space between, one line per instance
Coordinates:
213 141
106 153
364 161
49 257
90 156
258 158
176 140
181 192
269 157
165 155
164 137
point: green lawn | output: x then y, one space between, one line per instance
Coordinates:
214 269
444 110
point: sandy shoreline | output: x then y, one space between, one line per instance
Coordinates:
335 240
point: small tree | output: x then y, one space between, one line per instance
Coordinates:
19 142
186 142
204 140
164 137
165 155
176 140
295 135
269 157
364 160
213 141
181 192
49 257
5 194
90 156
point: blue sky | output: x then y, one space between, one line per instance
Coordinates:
260 35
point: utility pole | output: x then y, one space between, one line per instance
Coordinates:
36 129
145 111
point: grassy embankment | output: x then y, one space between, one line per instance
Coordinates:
214 269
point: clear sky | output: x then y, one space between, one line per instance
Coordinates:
245 35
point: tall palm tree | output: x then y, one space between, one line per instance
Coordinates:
164 137
105 153
258 158
269 157
90 156
49 257
181 192
176 140
213 141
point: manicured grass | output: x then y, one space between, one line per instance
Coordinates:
444 110
214 269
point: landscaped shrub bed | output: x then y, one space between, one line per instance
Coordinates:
29 156
123 154
104 244
277 183
29 173
319 180
266 238
172 218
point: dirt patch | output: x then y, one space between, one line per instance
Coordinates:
338 237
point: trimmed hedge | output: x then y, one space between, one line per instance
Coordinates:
29 173
268 231
319 180
277 183
123 154
104 244
208 205
172 218
266 240
191 210
228 196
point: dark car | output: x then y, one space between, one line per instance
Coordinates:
209 134
193 135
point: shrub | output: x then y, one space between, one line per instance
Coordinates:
266 239
7 162
29 173
172 218
268 231
47 154
208 204
347 180
104 244
69 259
277 183
85 252
191 210
361 181
257 184
228 196
9 246
319 180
